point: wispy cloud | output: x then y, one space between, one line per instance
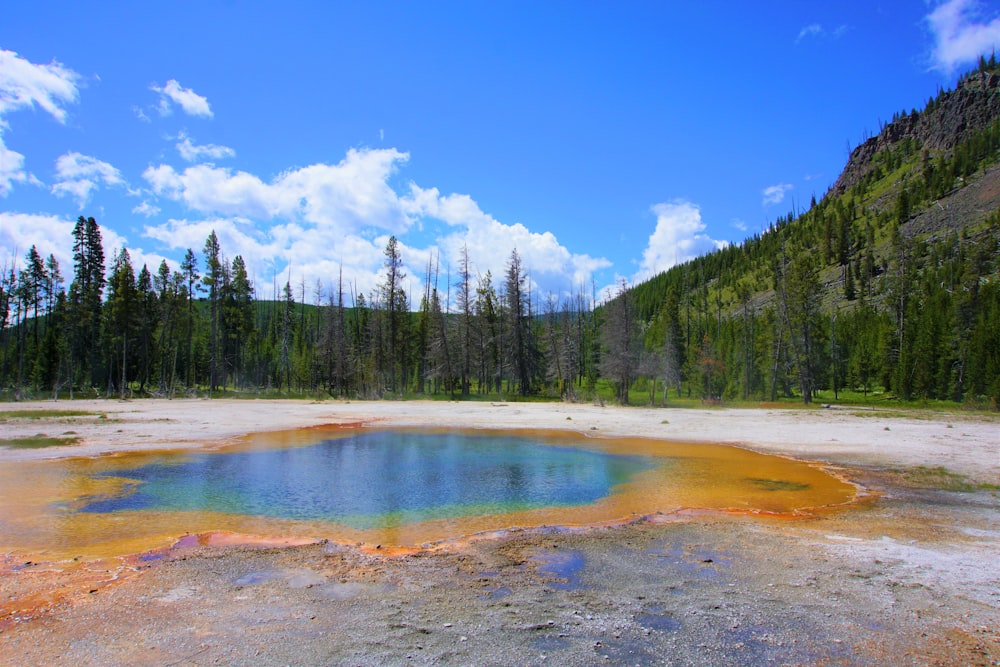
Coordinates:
192 152
961 34
775 194
146 209
811 30
24 85
189 101
816 30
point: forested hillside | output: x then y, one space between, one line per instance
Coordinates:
889 284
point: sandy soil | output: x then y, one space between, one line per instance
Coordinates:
909 574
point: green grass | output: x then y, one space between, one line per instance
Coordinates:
44 414
37 442
943 479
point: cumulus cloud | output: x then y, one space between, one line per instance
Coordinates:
53 235
326 218
24 85
190 102
679 236
347 196
11 168
79 175
490 242
960 34
192 152
775 194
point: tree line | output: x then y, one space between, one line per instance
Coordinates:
749 322
201 328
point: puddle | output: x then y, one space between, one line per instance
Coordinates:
690 561
258 577
550 644
658 618
563 566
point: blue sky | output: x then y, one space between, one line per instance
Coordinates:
603 140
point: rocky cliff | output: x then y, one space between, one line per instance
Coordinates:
946 121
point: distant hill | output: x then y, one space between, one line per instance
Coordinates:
910 224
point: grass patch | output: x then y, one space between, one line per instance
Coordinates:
943 479
777 484
44 414
37 442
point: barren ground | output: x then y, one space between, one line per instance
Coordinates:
909 574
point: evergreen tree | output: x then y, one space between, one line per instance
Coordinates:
85 295
189 267
213 281
121 314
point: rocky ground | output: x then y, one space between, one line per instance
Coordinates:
908 575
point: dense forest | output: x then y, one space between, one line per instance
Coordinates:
889 285
200 329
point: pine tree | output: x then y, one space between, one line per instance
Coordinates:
121 314
189 267
85 294
213 282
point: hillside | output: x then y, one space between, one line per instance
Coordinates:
888 283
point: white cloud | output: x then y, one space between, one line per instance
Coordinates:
79 175
53 235
775 194
812 30
325 217
283 252
189 101
349 196
193 153
11 168
490 242
817 31
740 224
50 234
679 236
146 209
24 85
960 35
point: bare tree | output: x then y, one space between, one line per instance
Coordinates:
620 343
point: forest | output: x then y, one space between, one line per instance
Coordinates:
887 287
200 329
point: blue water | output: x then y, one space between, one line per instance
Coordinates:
376 479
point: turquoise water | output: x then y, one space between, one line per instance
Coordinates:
376 479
